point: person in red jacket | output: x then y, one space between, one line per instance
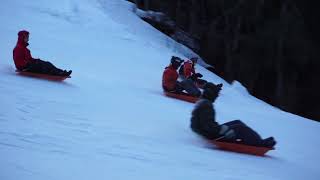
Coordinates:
25 62
170 81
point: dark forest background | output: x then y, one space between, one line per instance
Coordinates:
270 46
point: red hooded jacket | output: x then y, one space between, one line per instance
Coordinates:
21 54
188 69
169 78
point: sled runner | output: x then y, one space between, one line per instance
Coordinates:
241 148
182 96
42 76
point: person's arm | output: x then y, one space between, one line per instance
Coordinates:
29 57
19 55
172 77
169 79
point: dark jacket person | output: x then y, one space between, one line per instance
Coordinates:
204 123
203 115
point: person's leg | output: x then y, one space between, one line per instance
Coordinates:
35 68
49 68
44 67
246 135
189 86
178 88
234 122
243 134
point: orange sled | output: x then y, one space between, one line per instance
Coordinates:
42 76
241 148
183 96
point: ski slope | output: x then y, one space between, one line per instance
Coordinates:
111 120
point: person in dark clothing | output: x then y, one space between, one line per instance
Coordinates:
25 62
203 122
170 81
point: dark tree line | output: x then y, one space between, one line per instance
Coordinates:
270 46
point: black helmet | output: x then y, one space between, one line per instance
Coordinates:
176 61
194 59
211 91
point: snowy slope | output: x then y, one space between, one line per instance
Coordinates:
110 120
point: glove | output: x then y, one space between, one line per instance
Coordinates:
193 77
198 75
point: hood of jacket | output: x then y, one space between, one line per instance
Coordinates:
21 36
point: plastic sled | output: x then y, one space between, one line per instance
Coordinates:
182 96
42 76
241 148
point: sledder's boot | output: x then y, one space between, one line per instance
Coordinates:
68 73
269 142
64 73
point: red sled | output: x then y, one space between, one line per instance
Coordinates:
241 148
182 96
42 76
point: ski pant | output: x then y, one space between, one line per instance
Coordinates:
198 82
189 86
42 67
244 134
